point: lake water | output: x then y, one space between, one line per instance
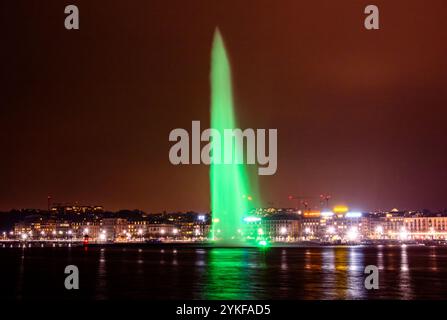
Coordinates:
179 272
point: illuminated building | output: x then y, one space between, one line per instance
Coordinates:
115 227
282 227
161 231
417 226
136 227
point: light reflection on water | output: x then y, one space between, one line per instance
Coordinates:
226 273
102 276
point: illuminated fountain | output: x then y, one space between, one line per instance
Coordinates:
231 195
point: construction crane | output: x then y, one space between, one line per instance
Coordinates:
301 200
304 200
325 200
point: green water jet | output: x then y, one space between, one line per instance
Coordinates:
231 197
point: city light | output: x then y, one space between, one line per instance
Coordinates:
340 209
312 214
162 231
353 214
331 230
103 236
260 231
327 214
307 230
175 231
252 219
353 234
403 234
283 230
262 243
379 229
86 231
24 236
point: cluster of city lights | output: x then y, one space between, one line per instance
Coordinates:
30 234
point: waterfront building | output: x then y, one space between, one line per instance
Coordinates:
282 227
161 231
114 228
87 229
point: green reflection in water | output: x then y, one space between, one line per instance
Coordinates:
228 274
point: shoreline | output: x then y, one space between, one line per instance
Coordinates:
208 245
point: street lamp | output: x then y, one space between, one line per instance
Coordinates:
432 231
103 236
140 233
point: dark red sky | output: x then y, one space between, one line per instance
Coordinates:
85 115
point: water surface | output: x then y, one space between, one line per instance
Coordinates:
219 273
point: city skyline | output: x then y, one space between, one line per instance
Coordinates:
359 114
267 226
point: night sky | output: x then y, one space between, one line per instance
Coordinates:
85 115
